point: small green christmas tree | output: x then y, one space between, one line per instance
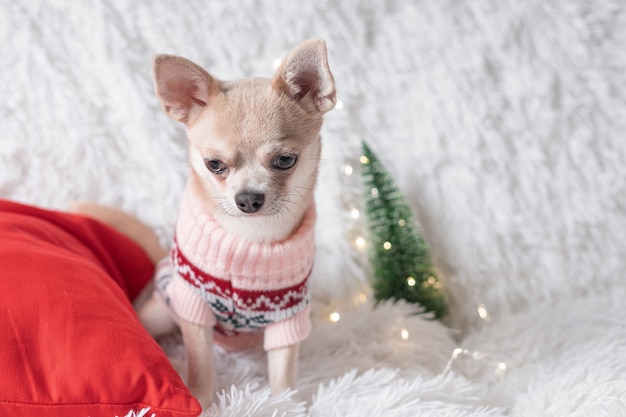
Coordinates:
401 264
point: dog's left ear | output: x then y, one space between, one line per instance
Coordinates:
305 77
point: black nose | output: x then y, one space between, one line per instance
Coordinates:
249 202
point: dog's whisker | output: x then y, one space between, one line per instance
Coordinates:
285 210
305 189
296 194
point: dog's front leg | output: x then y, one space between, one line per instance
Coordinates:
199 347
281 365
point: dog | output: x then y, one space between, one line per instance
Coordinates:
237 273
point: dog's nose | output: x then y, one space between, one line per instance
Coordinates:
249 202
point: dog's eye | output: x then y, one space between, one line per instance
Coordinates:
215 166
285 162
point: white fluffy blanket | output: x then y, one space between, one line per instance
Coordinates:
502 122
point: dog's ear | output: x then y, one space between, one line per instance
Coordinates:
305 77
183 87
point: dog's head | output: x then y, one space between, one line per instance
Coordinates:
255 144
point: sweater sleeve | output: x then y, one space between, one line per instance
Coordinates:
188 305
288 332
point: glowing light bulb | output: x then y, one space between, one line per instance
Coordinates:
431 282
276 63
401 222
364 159
348 170
501 369
374 192
387 245
411 281
404 334
339 105
482 312
354 213
360 299
360 243
334 317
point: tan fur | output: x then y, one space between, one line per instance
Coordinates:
249 127
132 228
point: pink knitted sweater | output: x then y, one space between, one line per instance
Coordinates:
243 289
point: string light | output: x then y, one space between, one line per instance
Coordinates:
431 282
360 243
348 170
276 63
404 334
354 213
482 312
364 160
374 192
401 222
490 365
334 317
360 299
411 281
387 245
500 369
339 105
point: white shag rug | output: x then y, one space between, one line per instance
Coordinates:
502 122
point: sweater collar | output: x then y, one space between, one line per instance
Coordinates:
218 252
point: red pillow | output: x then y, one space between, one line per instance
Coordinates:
71 342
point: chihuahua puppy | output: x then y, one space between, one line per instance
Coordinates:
243 250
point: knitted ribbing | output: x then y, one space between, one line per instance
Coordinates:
247 265
238 286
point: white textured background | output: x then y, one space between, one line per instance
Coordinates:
503 123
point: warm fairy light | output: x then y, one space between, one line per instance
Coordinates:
348 170
455 354
360 299
364 159
276 63
501 369
411 281
334 317
387 245
354 213
374 192
482 312
401 222
339 105
431 281
360 242
404 334
484 359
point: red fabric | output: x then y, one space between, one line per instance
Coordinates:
71 343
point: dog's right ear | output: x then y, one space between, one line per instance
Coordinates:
183 87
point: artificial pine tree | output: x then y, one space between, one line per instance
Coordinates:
401 264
